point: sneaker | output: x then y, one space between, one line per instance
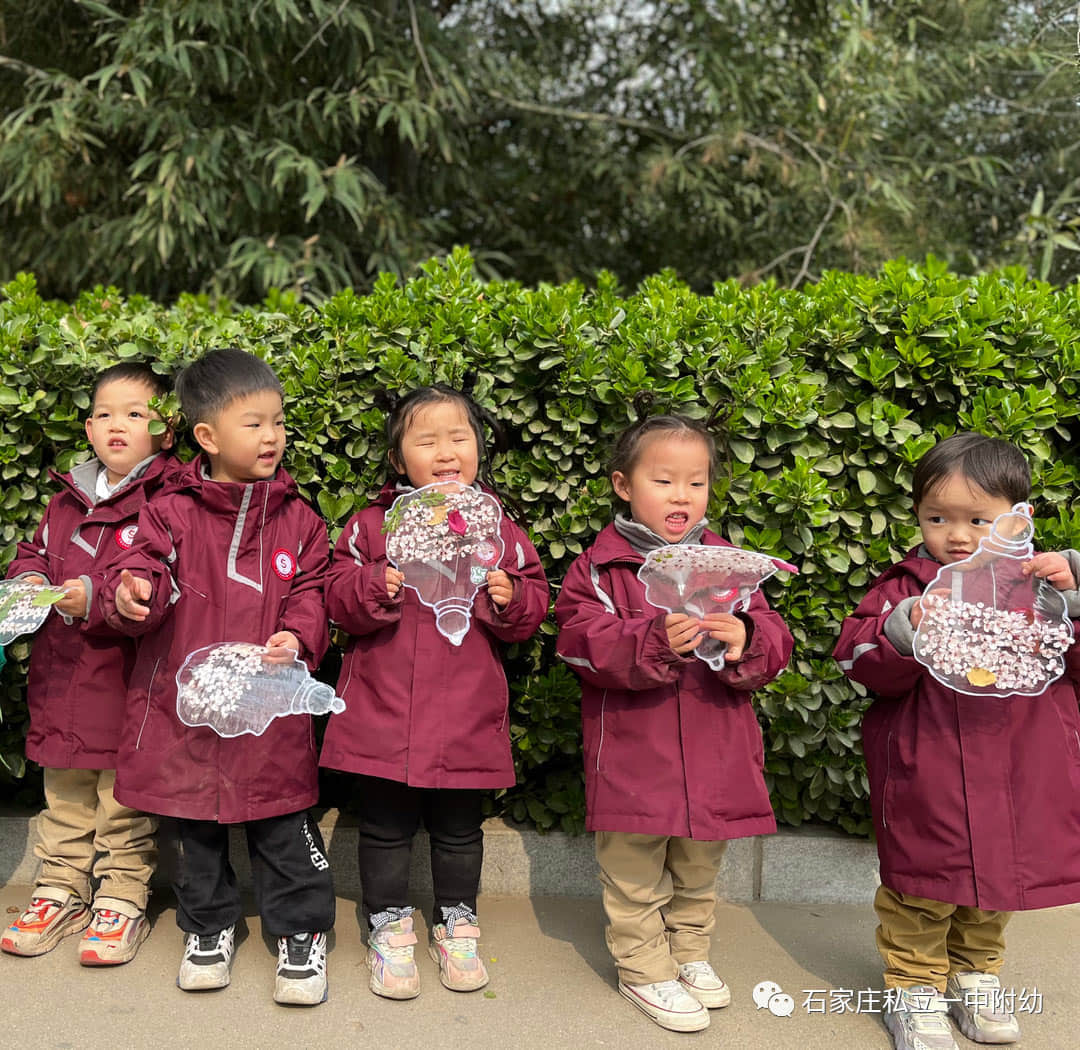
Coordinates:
919 1019
112 937
669 1004
702 982
51 915
301 970
207 959
454 946
390 955
977 1005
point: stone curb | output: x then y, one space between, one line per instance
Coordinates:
806 865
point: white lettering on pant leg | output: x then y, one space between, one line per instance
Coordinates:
318 860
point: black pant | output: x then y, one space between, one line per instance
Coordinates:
390 814
293 888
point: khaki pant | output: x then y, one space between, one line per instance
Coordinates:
660 900
83 820
924 941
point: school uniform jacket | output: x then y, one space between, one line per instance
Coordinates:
227 563
976 799
672 747
418 709
78 674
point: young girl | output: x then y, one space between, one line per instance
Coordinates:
976 799
673 751
425 724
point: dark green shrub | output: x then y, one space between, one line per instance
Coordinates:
825 397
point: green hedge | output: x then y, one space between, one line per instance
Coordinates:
824 398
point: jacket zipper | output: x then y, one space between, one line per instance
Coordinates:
600 745
146 713
888 771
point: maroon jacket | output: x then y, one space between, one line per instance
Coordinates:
672 747
976 799
228 563
79 674
419 709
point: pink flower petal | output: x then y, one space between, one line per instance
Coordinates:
456 522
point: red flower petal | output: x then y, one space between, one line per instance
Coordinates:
456 522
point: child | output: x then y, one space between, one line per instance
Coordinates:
233 554
673 751
425 722
976 799
78 679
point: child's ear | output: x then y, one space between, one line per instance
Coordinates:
621 486
89 431
168 439
392 456
204 435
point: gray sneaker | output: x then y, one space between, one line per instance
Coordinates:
919 1020
977 1004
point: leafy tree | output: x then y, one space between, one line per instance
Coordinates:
310 144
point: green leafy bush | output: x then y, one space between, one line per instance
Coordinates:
824 399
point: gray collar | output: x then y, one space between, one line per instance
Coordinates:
643 539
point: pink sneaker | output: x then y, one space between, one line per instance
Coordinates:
51 915
454 946
390 955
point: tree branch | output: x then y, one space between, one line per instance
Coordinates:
582 114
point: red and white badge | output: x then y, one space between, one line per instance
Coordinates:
125 537
284 564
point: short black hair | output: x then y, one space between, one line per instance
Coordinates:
131 371
629 444
997 467
208 386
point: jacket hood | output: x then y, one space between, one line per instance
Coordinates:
228 496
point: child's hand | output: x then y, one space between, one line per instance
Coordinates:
917 609
500 587
130 596
37 581
1052 567
73 603
683 632
282 646
394 579
727 628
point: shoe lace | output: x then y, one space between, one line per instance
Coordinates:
697 969
459 913
667 991
105 920
38 909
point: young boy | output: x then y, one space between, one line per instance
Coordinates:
976 799
78 681
232 554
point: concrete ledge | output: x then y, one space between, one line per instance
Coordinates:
806 865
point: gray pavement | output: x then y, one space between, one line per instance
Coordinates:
552 986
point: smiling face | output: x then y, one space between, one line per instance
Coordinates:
668 485
247 439
954 515
117 427
438 444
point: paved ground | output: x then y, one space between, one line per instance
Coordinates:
552 986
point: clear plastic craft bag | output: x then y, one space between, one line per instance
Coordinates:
696 579
445 539
24 607
986 628
237 687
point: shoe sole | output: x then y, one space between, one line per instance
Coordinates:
716 999
289 992
977 1035
470 985
694 1022
46 944
90 957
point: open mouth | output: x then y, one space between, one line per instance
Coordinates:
117 443
677 522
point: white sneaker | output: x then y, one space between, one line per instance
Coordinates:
207 960
919 1020
669 1004
301 970
978 1007
702 982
